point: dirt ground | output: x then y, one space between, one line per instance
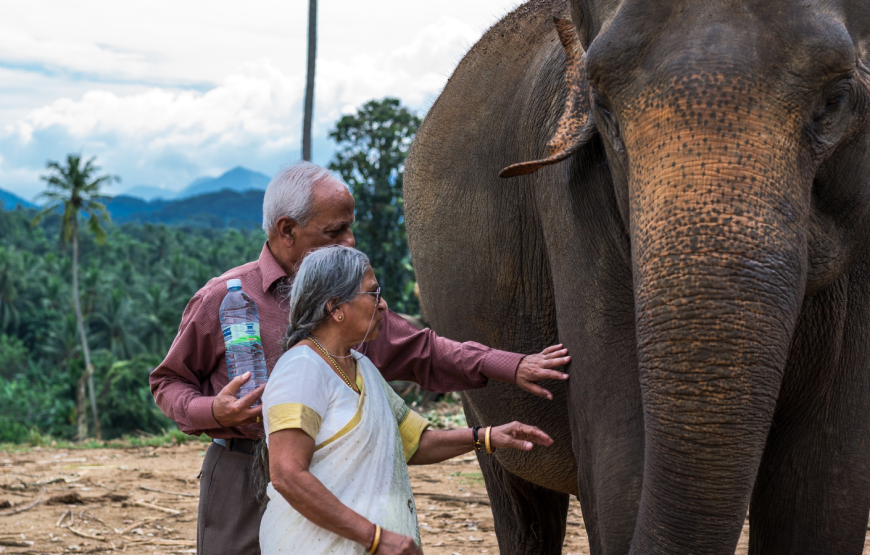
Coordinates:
144 501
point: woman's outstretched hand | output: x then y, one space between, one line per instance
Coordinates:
396 544
517 435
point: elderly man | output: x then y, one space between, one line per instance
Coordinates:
305 207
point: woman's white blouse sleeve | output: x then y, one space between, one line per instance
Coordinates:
296 396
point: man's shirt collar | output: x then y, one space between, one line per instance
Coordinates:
269 268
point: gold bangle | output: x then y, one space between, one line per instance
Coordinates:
489 448
375 543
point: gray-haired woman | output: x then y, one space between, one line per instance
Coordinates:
339 438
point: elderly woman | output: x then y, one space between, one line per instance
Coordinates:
339 438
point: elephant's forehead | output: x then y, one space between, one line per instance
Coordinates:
710 106
651 41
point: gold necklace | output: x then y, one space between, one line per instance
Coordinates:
334 363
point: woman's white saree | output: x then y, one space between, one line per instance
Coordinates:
361 448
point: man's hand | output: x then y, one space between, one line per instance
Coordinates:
534 368
229 411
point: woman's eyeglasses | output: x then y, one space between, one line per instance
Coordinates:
377 294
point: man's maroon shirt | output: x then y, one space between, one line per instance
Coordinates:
194 370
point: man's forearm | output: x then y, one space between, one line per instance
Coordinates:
403 352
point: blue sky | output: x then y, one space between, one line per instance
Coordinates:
163 92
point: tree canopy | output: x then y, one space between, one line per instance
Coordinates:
133 291
135 280
372 146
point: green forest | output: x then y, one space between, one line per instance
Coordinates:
135 282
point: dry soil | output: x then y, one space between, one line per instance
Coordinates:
144 501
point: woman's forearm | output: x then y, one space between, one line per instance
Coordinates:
440 445
314 501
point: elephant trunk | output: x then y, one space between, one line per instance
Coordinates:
718 229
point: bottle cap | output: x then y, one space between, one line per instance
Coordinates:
233 283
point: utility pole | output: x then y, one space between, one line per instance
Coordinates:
309 82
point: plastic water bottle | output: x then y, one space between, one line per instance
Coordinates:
240 324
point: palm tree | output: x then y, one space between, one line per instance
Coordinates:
117 320
158 318
74 190
309 81
10 273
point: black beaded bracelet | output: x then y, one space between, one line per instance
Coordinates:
479 446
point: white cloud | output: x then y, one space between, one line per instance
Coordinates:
142 121
253 102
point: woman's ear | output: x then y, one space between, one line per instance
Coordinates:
335 311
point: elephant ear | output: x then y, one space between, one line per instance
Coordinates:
575 127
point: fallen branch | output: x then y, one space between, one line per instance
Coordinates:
22 509
143 503
54 480
15 543
18 493
442 497
159 541
63 517
86 535
143 522
88 516
100 549
63 461
146 488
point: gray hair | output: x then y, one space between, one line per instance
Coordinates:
290 191
333 273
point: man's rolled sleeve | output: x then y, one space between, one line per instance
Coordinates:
200 414
501 365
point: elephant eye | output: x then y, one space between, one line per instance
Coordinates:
831 118
609 120
606 120
834 103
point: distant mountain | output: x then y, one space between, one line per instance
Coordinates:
146 192
237 179
8 201
215 210
124 208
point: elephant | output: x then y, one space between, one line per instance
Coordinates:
679 192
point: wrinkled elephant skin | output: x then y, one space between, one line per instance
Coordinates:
688 211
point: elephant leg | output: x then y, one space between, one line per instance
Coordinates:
529 519
812 492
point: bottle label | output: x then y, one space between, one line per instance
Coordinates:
246 333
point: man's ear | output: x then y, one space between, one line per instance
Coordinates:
286 230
